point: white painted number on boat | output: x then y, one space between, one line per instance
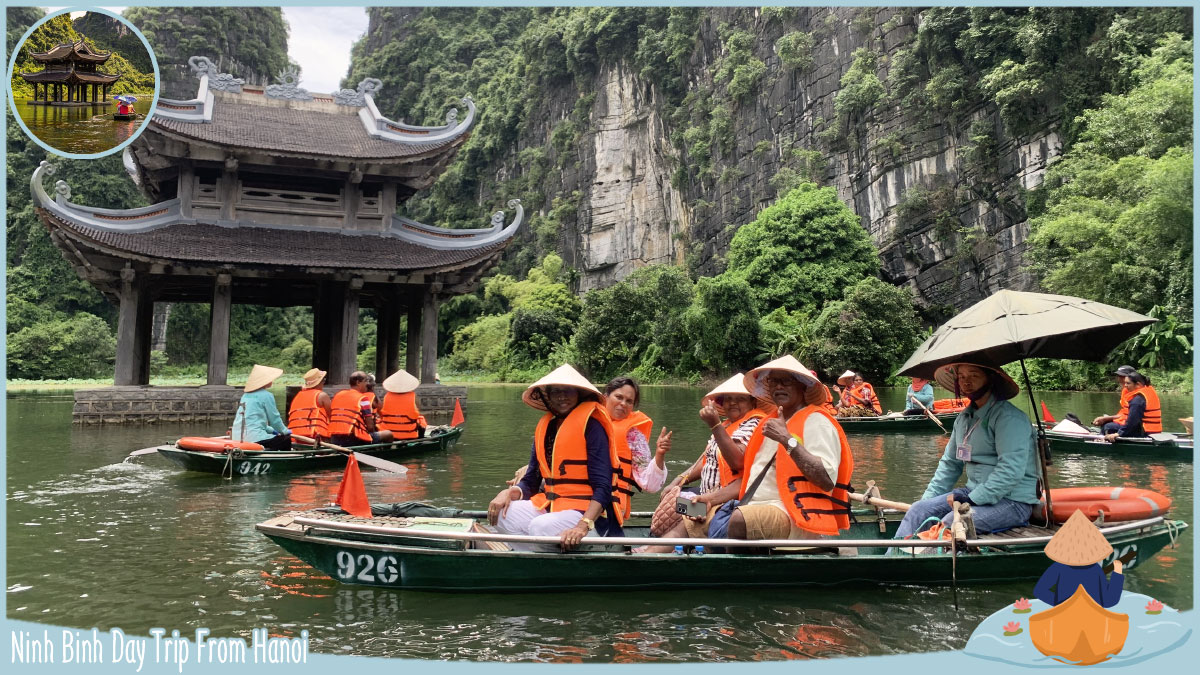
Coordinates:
369 570
253 467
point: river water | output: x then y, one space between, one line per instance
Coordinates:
96 542
84 129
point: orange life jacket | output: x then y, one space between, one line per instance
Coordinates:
623 482
728 475
950 404
565 482
811 508
828 406
1152 418
399 415
345 418
864 395
306 417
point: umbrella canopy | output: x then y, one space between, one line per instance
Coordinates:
1013 325
126 98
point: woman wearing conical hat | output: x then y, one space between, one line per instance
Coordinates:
257 419
993 444
1077 550
399 413
732 415
567 489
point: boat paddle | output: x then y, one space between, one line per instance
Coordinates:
869 500
929 414
1124 561
143 451
365 459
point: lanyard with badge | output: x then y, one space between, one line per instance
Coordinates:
964 446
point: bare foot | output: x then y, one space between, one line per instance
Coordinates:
654 549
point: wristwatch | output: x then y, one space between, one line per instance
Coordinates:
793 443
591 524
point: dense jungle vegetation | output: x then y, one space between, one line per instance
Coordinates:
1111 221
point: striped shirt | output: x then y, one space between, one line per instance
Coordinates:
710 475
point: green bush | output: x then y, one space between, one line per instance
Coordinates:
722 324
795 50
872 331
861 87
81 346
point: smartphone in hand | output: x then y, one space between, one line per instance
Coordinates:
689 508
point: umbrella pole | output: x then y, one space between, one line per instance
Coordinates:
1043 446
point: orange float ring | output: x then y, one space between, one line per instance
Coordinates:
1117 503
208 444
948 405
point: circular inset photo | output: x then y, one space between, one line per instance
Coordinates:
83 83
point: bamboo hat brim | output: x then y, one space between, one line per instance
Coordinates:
1078 542
947 378
314 377
787 363
400 382
846 378
734 385
564 376
261 376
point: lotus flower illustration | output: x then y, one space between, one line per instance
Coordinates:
1154 607
1012 628
1022 606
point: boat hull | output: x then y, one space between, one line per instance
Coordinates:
1179 449
394 562
267 462
908 423
1079 631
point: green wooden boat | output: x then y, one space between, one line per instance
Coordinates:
303 458
920 424
453 555
1159 446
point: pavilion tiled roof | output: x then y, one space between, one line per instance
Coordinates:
275 246
70 76
66 50
295 130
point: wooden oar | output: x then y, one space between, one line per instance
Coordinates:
867 499
1124 561
143 451
365 459
929 414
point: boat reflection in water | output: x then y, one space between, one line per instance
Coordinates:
1079 631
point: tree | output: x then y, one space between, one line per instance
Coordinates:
77 347
723 324
802 251
872 331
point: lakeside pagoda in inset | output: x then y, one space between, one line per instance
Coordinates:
277 196
70 76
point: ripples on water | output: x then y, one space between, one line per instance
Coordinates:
81 129
93 541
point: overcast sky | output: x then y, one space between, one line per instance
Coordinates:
319 40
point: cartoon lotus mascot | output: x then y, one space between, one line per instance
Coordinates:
1078 629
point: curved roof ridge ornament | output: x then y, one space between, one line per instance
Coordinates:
358 97
140 219
445 238
199 109
289 86
378 126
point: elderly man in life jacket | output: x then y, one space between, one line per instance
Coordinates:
567 488
796 469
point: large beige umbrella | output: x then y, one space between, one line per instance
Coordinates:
1014 325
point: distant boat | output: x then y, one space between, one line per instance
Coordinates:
1079 631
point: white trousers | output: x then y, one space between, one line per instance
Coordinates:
522 517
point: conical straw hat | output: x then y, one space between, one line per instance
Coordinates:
787 363
734 385
947 378
313 378
400 382
846 378
261 376
565 376
1078 542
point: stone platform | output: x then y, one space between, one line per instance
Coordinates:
152 405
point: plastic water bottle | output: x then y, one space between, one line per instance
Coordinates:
678 550
699 550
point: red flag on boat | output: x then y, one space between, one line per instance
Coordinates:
1046 416
458 416
352 494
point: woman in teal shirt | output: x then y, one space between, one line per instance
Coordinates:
993 442
257 419
920 391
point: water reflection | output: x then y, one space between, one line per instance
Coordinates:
83 129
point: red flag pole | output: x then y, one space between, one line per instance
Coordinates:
458 418
352 494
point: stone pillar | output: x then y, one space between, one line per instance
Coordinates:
143 338
343 348
383 337
131 296
412 346
391 361
218 346
429 334
322 310
227 189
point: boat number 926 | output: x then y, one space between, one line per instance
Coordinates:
367 568
259 468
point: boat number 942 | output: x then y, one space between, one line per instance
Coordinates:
259 468
367 568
